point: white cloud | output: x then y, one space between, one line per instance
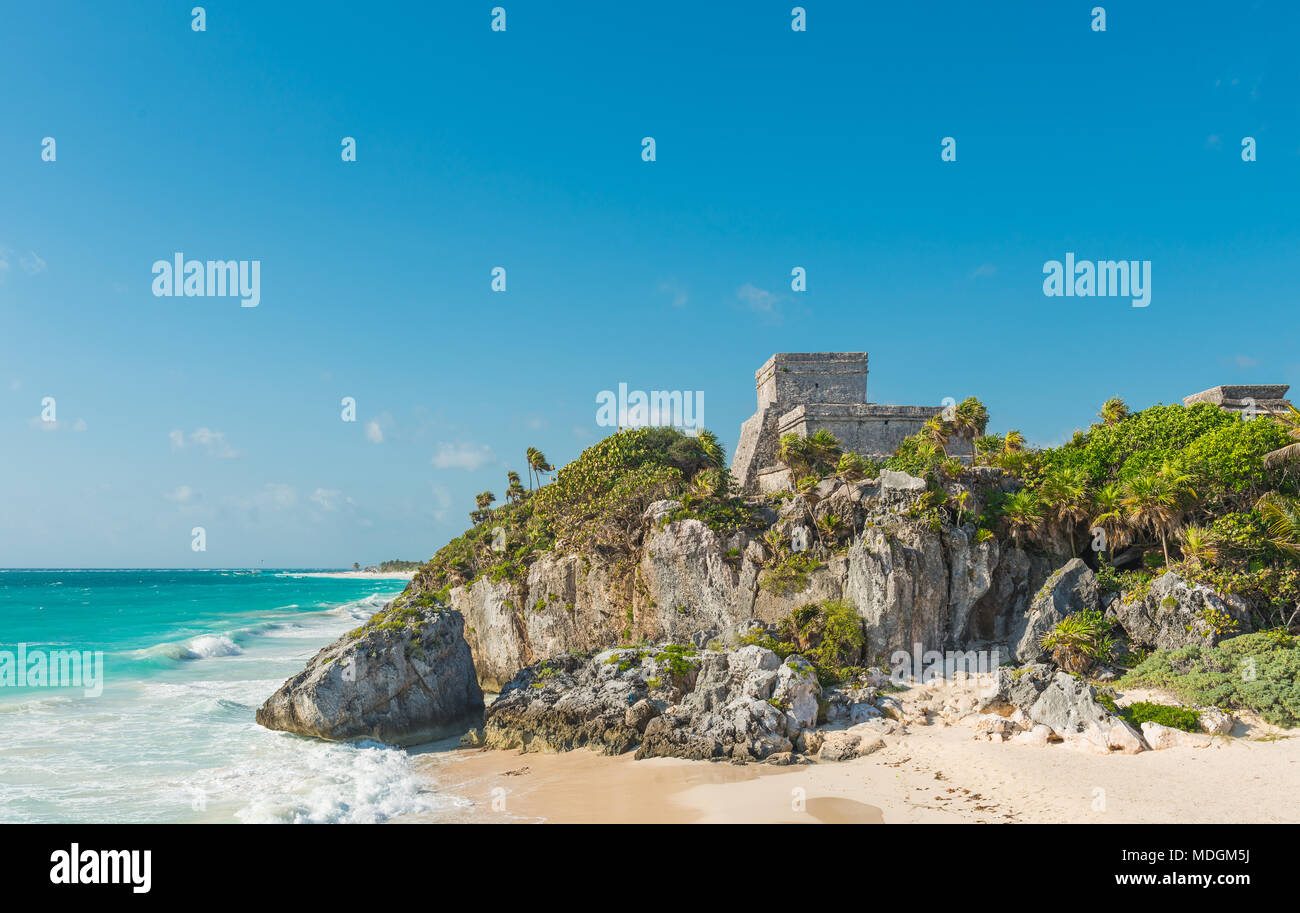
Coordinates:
984 271
32 264
78 425
679 294
183 494
442 497
758 299
463 455
327 498
374 433
1245 361
214 443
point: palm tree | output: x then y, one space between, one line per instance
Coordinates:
1023 512
1113 411
824 450
1154 500
714 454
537 463
851 467
1013 442
515 492
1290 420
794 453
987 446
937 432
1065 493
1110 516
969 421
1281 517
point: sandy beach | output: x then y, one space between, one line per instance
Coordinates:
936 773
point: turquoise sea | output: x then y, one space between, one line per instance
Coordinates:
188 656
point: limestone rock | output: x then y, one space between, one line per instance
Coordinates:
744 704
1216 721
407 677
1069 590
1175 613
900 481
1161 737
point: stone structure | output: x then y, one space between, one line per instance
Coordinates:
805 392
1239 397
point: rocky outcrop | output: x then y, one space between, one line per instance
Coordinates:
405 677
675 701
1066 705
1176 613
1071 589
939 586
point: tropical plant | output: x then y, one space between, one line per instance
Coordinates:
1113 411
515 490
1290 421
1281 516
1023 513
1110 516
970 419
937 432
1079 641
1065 494
537 464
1197 545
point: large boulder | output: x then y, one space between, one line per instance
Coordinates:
1176 613
1065 704
673 701
406 676
1070 589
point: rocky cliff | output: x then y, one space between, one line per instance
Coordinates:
914 578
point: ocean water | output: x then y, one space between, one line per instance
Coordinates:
188 656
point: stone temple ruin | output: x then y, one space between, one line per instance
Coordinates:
806 392
1260 399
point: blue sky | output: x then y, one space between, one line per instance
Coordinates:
522 149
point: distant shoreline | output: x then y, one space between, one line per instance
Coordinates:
353 575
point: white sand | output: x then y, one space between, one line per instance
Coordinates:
932 773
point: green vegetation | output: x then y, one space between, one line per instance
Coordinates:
1256 672
831 635
788 574
395 618
1080 641
396 565
1165 714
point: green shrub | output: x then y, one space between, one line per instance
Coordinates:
1164 714
1255 672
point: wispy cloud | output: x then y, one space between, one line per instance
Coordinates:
464 455
374 434
328 499
213 443
31 263
41 424
677 293
182 494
